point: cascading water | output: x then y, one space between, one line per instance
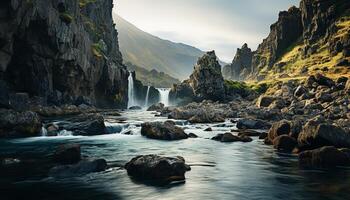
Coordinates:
131 91
147 96
164 95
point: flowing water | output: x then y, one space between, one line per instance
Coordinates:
164 96
147 97
219 171
131 91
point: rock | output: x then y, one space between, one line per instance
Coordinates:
67 154
324 97
263 135
265 101
192 135
163 131
207 118
206 81
317 134
135 108
279 128
347 87
252 124
79 169
208 129
229 137
284 143
15 124
322 80
327 156
299 91
85 124
156 107
241 65
153 167
19 101
250 133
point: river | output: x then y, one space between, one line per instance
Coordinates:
219 171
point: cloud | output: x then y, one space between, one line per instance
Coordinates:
221 25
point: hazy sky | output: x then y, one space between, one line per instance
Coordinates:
220 25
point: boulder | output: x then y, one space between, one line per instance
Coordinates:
156 107
263 135
154 167
163 131
84 124
67 154
299 91
323 80
252 124
206 118
265 101
208 129
192 135
327 156
250 133
229 137
317 134
279 128
79 169
284 143
19 124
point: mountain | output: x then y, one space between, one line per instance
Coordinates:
313 38
150 52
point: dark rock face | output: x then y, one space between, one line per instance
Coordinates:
16 124
62 51
241 64
283 33
163 131
141 92
328 156
67 154
153 167
206 82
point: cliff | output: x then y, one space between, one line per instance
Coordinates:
313 38
59 51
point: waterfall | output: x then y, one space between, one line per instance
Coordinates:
164 95
147 96
131 91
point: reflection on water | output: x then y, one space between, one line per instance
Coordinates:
219 171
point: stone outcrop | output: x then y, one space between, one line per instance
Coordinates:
59 51
325 157
163 131
205 83
241 65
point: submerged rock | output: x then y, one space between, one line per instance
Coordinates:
252 124
67 154
153 167
163 131
81 168
229 137
328 156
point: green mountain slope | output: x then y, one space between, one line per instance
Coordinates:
150 52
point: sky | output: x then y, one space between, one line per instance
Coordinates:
220 25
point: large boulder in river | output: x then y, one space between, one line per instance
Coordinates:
153 167
18 124
229 137
163 131
67 154
206 81
265 101
327 156
84 124
279 128
284 143
252 124
317 134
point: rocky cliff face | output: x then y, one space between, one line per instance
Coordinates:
58 51
205 83
310 39
241 65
